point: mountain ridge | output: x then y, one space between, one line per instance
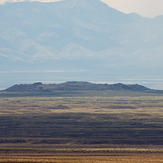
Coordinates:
36 36
85 27
73 86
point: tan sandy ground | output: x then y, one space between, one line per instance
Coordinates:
113 158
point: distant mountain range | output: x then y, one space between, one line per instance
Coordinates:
73 86
77 40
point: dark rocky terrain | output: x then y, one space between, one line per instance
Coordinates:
73 86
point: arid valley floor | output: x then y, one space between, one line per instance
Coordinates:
86 127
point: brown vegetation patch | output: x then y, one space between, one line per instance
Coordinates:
60 107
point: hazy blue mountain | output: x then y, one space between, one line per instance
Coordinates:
79 39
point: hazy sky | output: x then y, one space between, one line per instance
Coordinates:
147 8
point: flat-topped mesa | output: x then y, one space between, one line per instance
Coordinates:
73 86
120 86
37 83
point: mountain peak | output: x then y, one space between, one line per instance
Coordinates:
82 3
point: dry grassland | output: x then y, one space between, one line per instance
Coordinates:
114 158
32 128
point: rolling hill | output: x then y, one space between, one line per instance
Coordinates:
73 86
